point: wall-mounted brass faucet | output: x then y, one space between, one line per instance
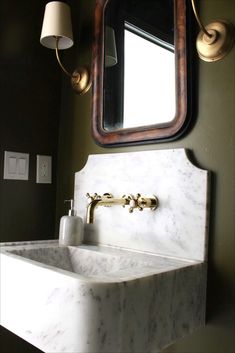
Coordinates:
108 200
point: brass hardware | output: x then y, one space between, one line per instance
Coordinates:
80 78
214 40
108 200
81 81
133 203
203 29
150 202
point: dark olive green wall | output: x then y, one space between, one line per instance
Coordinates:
212 141
29 121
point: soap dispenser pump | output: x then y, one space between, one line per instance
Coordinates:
71 228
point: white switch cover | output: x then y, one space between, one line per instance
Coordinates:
16 166
43 169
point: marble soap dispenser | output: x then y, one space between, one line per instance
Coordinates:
71 228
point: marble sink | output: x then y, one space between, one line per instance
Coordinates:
96 298
92 261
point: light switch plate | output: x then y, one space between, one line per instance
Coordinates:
43 169
16 166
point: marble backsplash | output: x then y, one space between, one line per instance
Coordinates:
178 228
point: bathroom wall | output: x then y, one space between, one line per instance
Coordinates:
29 120
30 109
212 140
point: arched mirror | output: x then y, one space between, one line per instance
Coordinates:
139 71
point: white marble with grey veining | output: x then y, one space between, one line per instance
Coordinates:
117 301
95 262
137 284
177 228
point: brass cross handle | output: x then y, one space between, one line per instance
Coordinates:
141 202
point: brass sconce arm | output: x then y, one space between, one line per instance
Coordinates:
199 20
58 58
80 78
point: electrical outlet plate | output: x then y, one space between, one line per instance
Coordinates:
16 166
43 169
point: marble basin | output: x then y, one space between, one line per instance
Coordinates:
87 261
98 299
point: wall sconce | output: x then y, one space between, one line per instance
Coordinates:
110 47
215 40
57 34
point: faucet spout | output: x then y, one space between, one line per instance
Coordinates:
106 200
91 211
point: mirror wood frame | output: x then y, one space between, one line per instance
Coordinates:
143 134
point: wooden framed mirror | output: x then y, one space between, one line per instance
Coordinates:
137 98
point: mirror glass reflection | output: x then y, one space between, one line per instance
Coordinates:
139 65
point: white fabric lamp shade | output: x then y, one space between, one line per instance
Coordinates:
110 47
57 23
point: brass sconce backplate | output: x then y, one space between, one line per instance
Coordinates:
81 80
218 44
